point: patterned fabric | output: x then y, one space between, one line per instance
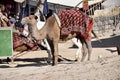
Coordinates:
75 21
20 40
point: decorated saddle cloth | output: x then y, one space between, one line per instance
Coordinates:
75 21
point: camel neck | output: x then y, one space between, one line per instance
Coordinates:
37 34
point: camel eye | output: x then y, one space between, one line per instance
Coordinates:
36 17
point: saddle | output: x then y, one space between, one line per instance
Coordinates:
75 21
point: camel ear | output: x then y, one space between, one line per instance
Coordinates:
36 17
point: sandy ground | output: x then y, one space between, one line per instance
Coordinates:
33 65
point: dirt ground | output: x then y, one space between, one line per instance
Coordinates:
104 65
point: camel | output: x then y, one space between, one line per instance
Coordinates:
51 31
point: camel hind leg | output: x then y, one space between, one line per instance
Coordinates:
87 49
89 46
79 50
84 51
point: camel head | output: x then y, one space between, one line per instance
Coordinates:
30 20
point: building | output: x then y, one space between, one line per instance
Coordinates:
10 6
66 4
57 5
27 7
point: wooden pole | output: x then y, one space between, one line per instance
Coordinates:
78 4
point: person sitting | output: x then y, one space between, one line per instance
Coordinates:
4 21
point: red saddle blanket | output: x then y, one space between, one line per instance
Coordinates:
75 21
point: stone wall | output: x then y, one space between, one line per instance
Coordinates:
104 25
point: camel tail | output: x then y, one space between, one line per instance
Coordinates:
95 35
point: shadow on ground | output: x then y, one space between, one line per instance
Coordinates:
38 62
24 62
113 41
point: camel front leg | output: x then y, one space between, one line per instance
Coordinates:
55 54
54 51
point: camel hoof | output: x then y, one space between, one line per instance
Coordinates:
54 64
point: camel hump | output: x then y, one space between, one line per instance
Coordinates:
57 18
